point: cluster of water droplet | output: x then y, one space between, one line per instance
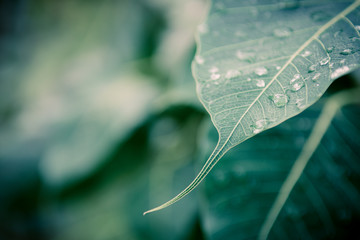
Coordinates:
279 99
214 73
259 126
261 71
296 83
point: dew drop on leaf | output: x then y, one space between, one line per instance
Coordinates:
300 103
261 71
357 27
260 83
306 53
215 76
324 61
340 71
296 76
316 76
278 67
259 126
279 99
296 86
232 74
245 56
199 59
283 32
213 70
347 51
330 49
312 68
296 83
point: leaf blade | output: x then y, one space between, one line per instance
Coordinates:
224 90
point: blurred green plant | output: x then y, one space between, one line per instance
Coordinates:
100 119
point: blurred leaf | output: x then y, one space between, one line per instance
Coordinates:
78 94
259 64
283 184
109 206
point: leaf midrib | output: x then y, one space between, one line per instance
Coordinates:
302 47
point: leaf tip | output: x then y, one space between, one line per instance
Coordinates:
151 210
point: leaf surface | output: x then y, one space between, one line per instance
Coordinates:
286 184
261 62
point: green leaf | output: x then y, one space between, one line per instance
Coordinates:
286 184
261 62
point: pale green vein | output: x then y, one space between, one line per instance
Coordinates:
277 6
319 129
228 109
232 94
239 44
352 25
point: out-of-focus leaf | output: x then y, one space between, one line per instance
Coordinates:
109 206
240 195
78 94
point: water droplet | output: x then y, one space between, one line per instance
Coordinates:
312 68
199 59
296 76
248 79
203 28
279 99
357 27
300 103
245 56
340 71
306 53
316 76
232 74
256 131
260 71
283 32
213 69
324 61
330 49
347 51
296 86
259 126
215 76
278 67
260 83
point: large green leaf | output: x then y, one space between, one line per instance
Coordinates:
286 184
261 62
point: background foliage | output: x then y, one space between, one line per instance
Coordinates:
99 121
